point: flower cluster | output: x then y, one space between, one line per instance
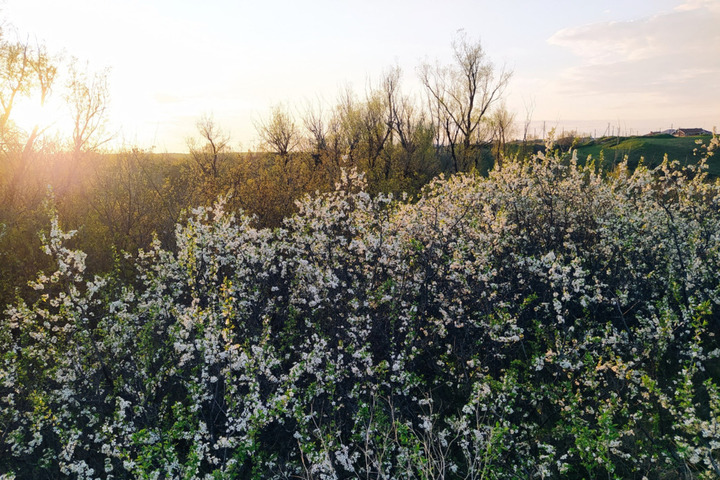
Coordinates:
548 320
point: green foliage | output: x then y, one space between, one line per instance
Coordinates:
548 320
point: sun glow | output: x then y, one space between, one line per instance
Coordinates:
51 119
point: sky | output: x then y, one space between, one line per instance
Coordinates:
594 67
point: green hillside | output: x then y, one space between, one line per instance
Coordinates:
651 149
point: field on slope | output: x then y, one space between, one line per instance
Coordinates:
651 149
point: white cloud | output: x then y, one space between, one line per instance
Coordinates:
712 5
672 58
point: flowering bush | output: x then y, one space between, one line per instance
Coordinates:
550 320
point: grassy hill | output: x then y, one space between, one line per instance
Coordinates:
651 149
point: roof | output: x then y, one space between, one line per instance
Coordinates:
688 132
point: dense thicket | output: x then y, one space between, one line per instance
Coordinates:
548 320
399 141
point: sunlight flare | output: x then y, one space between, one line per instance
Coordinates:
52 118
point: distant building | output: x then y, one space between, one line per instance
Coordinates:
691 132
669 131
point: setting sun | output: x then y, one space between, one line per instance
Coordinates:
52 119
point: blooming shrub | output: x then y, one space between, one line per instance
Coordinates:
550 320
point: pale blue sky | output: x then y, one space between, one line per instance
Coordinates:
638 64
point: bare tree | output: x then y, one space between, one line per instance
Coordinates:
501 123
16 76
409 122
347 125
25 71
461 95
45 69
317 129
279 132
215 145
88 98
376 123
529 109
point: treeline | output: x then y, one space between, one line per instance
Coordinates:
120 200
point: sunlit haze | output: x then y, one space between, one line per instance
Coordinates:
631 65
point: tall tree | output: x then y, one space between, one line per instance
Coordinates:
88 97
410 124
461 94
316 128
501 125
279 133
210 153
45 69
25 71
376 122
16 76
